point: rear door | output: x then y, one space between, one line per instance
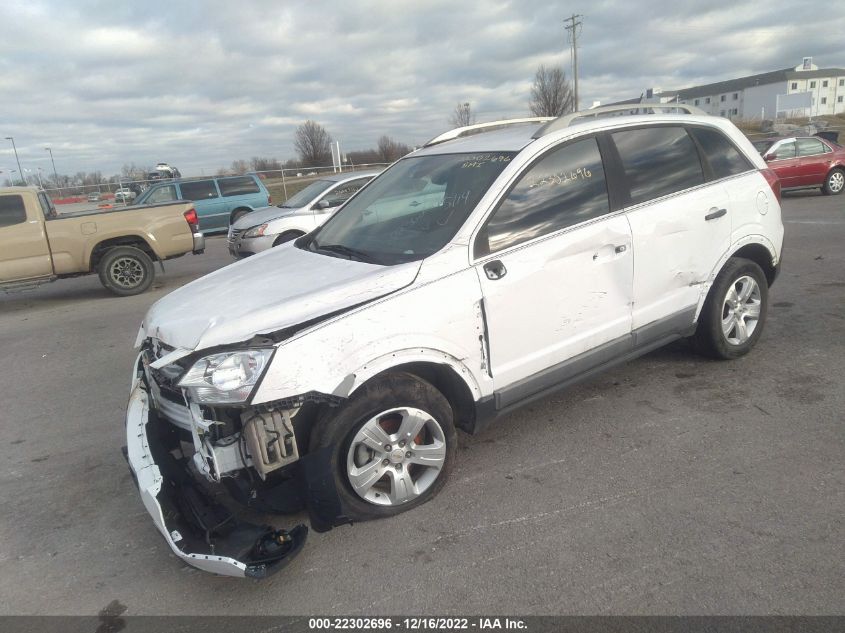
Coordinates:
681 225
26 252
815 159
210 208
556 268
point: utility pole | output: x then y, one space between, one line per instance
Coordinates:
55 175
20 171
574 28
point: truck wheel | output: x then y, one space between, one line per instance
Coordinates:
392 446
126 271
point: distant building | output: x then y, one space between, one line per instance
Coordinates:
804 90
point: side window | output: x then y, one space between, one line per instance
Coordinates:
238 186
724 159
341 194
12 210
658 161
47 207
198 190
565 187
161 195
810 147
785 150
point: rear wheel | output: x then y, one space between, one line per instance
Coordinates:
287 236
393 445
734 313
237 214
834 183
126 270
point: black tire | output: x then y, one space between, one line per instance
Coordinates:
288 236
338 427
237 214
126 270
710 338
834 182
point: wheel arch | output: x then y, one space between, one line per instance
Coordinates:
241 207
102 247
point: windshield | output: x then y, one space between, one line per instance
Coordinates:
412 210
301 198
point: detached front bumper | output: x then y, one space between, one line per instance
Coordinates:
198 530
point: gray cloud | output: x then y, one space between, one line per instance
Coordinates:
199 84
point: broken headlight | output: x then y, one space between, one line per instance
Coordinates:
226 378
256 231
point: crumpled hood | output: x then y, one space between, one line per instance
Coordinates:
262 215
279 288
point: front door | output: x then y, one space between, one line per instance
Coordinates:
555 267
26 252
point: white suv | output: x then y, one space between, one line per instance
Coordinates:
478 273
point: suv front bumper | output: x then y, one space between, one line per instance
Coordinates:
198 530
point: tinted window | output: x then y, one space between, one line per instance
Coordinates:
725 159
343 192
239 186
162 194
658 161
199 190
785 150
12 210
565 187
810 147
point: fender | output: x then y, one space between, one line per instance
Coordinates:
743 241
403 357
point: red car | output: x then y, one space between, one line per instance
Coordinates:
805 162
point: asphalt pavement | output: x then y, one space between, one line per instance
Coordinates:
670 485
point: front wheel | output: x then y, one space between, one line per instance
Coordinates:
834 183
126 271
393 445
734 313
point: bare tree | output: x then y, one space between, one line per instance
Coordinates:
390 150
462 115
551 94
313 143
239 166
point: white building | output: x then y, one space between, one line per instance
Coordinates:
758 96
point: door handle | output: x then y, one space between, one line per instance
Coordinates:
620 249
715 213
495 270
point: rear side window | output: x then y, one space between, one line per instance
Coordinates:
12 210
238 186
198 190
724 158
565 187
811 147
658 161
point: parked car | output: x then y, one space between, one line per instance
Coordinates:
474 275
124 194
805 162
219 201
94 196
301 213
120 245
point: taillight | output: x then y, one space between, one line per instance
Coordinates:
773 180
192 219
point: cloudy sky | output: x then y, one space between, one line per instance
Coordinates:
201 83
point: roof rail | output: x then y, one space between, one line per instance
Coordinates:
567 119
478 128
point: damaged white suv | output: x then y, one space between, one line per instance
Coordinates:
492 266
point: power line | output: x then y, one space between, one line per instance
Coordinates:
574 30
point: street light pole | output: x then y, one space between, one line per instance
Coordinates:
55 175
20 171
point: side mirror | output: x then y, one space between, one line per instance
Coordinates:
322 204
769 157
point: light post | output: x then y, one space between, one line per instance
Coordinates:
20 171
55 175
38 174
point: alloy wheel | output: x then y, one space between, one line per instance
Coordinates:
741 310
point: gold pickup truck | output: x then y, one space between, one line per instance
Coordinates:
38 245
